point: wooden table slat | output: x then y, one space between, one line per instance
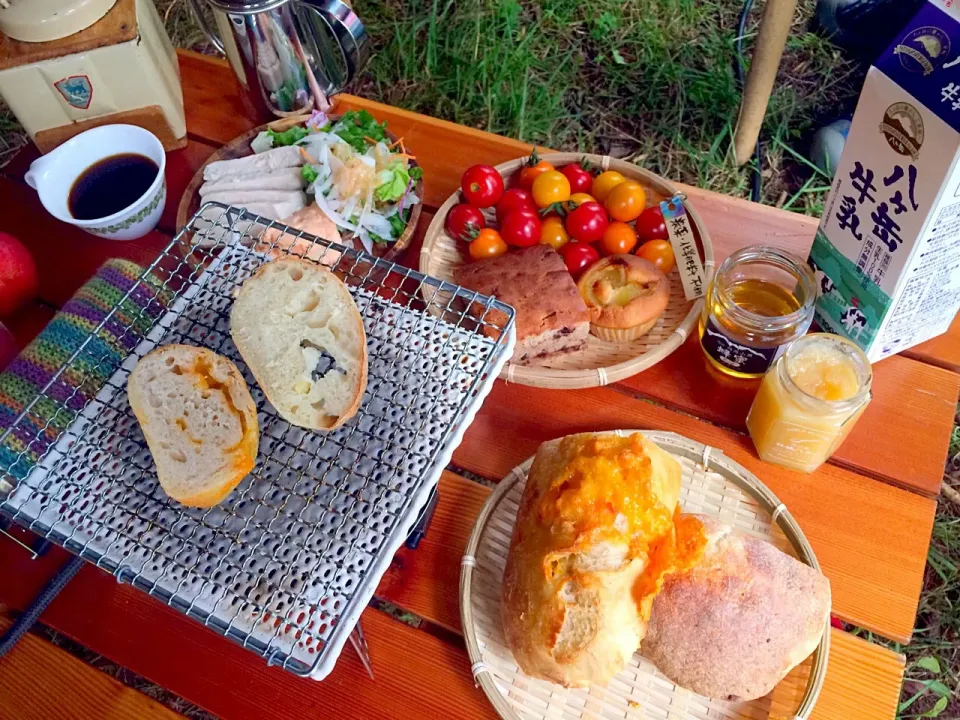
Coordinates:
39 681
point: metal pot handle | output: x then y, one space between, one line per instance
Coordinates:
348 31
205 26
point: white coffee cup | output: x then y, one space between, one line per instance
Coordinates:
53 175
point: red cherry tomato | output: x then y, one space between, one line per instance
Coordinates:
464 222
482 186
578 256
521 228
587 222
581 181
514 199
650 225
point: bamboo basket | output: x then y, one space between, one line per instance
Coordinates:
713 484
239 147
601 362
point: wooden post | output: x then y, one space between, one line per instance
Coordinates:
771 39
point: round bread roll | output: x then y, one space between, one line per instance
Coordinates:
625 295
580 573
733 625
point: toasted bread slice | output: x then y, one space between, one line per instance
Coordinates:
199 421
297 327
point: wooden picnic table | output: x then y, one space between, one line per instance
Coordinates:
868 513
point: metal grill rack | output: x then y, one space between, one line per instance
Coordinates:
286 564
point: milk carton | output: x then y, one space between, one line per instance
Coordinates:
887 252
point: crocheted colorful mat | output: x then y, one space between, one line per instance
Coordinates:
27 376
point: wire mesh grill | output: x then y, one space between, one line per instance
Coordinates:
286 564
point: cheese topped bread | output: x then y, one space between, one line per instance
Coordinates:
551 316
297 327
199 421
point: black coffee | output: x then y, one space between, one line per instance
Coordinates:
110 185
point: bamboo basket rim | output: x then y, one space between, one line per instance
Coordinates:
569 379
712 459
187 207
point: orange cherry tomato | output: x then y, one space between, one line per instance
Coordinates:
581 198
604 183
487 244
619 238
553 233
550 187
532 172
626 201
660 253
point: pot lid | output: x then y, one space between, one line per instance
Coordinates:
247 7
46 20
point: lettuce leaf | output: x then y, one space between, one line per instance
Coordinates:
356 125
394 185
288 137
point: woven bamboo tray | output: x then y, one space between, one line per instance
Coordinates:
712 483
239 147
601 362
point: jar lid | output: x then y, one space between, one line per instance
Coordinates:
247 7
46 20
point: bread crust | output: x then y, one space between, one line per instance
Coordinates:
569 613
243 455
307 266
737 622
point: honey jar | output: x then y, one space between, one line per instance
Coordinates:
809 401
760 300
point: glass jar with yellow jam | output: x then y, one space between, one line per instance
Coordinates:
760 300
809 401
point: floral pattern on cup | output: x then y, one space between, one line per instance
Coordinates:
138 216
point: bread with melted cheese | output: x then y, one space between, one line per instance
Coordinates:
586 555
735 623
199 421
298 328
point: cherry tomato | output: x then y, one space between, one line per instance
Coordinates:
626 201
532 169
514 199
660 253
581 198
482 186
553 233
521 228
550 187
587 223
464 222
604 183
578 256
488 244
580 178
619 238
650 224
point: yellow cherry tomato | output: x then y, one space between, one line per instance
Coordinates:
488 244
626 201
604 183
618 239
581 198
553 233
550 187
660 253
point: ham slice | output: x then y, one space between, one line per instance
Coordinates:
262 163
283 179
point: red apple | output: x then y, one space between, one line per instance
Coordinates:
18 274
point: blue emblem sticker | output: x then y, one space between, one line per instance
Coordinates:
76 90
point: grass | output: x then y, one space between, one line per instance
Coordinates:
655 82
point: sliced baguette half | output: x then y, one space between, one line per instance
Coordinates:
297 327
199 421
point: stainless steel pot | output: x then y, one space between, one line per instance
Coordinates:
290 56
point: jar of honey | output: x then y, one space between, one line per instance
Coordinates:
760 300
809 401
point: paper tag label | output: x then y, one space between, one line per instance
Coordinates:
684 247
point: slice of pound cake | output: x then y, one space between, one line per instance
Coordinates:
551 315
